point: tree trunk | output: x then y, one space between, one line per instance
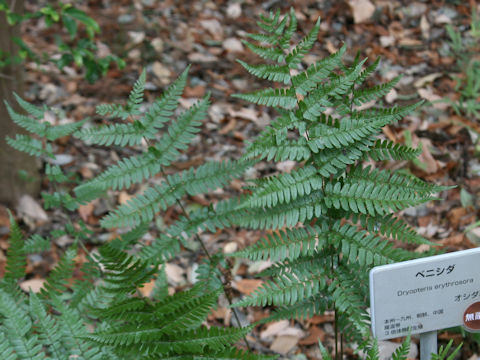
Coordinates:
12 185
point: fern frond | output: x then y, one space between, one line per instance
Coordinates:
117 134
303 309
285 187
57 280
7 350
18 327
308 80
269 149
326 134
55 174
16 261
388 150
345 290
197 341
73 330
363 248
284 98
36 111
124 273
395 228
47 327
268 53
136 95
133 103
365 95
285 290
53 133
32 125
299 210
395 180
287 35
30 146
401 352
296 55
278 73
289 244
335 161
318 100
370 197
163 108
143 207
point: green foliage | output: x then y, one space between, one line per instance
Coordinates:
80 51
58 321
55 323
331 216
465 47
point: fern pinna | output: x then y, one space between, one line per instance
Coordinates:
332 218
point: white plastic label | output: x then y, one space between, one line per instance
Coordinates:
425 294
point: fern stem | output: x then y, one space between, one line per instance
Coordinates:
227 294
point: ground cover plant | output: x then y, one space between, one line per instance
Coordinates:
168 189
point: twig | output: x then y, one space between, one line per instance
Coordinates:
227 293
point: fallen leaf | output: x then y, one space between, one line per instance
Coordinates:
231 247
136 37
315 335
27 206
174 274
362 10
147 288
283 344
234 10
233 45
425 27
201 58
247 286
124 197
274 329
426 79
286 166
428 94
33 284
161 72
214 27
86 210
391 96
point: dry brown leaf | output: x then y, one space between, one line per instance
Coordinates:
274 329
174 274
86 210
233 45
29 207
426 79
247 286
428 94
33 284
147 288
123 197
283 344
362 10
315 335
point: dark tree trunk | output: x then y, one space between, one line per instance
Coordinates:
12 185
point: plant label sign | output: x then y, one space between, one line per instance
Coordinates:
426 294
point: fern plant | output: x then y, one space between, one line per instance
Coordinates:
331 218
126 324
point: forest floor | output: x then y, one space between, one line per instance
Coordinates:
165 36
